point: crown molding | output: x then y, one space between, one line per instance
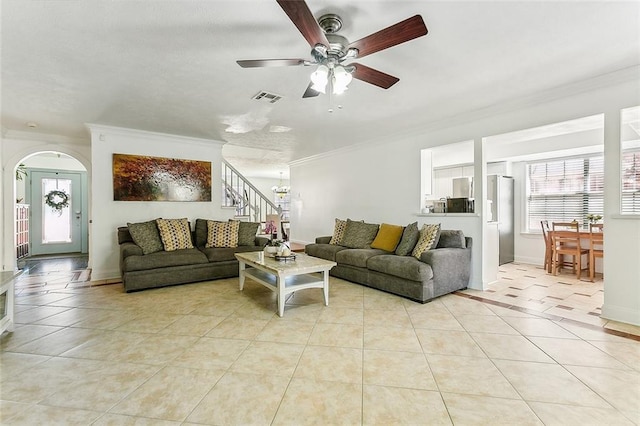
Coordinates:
625 75
42 137
102 131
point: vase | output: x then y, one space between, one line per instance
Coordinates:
271 250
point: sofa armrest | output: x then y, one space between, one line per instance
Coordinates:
261 241
130 249
451 267
323 240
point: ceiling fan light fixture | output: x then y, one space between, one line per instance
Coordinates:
320 78
341 79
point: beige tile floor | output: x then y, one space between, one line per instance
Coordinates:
207 353
558 297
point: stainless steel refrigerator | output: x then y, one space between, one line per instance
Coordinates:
500 193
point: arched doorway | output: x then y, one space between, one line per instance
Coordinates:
51 205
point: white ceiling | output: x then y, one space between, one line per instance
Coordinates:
169 66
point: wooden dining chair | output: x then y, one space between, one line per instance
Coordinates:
596 246
547 245
565 241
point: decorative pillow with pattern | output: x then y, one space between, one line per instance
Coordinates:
338 232
359 235
429 236
247 232
222 234
175 234
410 237
146 236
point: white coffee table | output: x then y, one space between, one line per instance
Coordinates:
285 277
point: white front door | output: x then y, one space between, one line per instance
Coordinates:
55 230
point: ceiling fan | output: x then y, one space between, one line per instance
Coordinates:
329 50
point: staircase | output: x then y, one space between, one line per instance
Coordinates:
248 201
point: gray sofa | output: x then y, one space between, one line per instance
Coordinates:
163 268
440 271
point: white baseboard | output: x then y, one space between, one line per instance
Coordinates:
528 260
621 314
108 274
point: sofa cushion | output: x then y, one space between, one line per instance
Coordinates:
164 259
323 251
429 235
357 257
359 234
247 232
406 267
222 234
175 234
223 254
146 235
451 239
338 232
388 237
410 237
201 232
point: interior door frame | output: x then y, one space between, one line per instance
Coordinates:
84 220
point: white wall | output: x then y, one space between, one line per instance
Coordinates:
379 181
107 215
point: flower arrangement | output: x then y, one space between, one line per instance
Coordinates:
270 228
275 242
593 218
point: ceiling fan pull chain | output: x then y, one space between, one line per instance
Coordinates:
330 91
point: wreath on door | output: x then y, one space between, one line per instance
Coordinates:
57 200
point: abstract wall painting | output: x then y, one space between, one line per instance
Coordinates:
142 178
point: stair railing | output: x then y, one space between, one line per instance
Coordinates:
247 200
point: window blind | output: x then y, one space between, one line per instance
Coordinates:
566 189
630 200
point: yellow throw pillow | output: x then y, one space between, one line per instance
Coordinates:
388 237
429 236
175 234
222 234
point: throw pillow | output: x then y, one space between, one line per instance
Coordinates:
146 235
388 237
410 237
359 234
452 239
175 234
338 232
222 234
247 232
429 236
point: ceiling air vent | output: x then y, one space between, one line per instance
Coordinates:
271 98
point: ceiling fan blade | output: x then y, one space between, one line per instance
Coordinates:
255 63
401 32
303 19
310 93
375 77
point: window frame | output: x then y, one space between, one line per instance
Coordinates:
588 200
